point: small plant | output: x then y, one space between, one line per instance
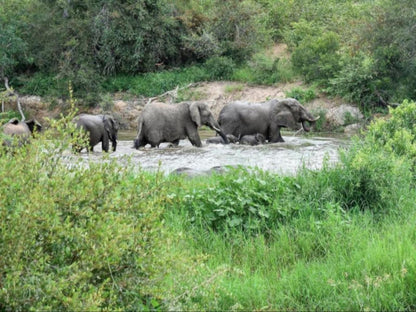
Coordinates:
219 67
106 102
320 124
189 95
302 95
234 88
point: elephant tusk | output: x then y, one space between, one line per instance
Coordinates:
216 129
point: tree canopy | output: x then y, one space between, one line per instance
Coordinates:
362 50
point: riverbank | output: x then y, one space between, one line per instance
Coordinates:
336 114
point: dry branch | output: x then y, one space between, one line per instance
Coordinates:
172 93
14 93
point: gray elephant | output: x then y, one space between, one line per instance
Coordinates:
252 139
100 128
219 140
161 122
19 130
267 118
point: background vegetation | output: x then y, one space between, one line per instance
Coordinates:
358 49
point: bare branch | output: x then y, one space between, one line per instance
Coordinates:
11 93
172 93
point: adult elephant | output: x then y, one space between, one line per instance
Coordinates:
267 118
100 128
21 131
161 122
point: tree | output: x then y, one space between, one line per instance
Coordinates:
12 47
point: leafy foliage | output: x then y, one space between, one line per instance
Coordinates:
76 237
316 57
302 95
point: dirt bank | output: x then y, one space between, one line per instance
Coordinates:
215 94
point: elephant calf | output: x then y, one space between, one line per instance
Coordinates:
19 130
253 139
100 128
219 140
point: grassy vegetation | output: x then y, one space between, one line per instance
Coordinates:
110 236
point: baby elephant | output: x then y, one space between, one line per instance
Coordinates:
253 139
100 128
219 140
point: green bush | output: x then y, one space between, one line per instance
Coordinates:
76 237
301 94
357 81
239 200
6 116
396 134
219 68
316 57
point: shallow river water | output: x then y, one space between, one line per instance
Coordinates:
282 158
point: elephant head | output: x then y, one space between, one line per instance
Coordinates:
111 127
290 113
201 115
260 138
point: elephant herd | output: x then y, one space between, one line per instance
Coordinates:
243 122
238 122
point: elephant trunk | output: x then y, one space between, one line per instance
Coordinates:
215 126
311 121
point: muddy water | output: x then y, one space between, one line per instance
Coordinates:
282 158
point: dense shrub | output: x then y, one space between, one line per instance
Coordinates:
301 94
76 237
219 68
316 57
359 81
240 200
397 133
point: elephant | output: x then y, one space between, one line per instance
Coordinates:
100 128
219 140
252 139
161 122
22 130
267 118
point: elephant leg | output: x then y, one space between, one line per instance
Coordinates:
105 145
140 142
275 135
195 140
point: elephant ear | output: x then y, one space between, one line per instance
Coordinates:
107 124
14 121
286 119
194 112
33 125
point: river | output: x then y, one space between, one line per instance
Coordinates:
283 158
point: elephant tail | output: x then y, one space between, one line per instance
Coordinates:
138 141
